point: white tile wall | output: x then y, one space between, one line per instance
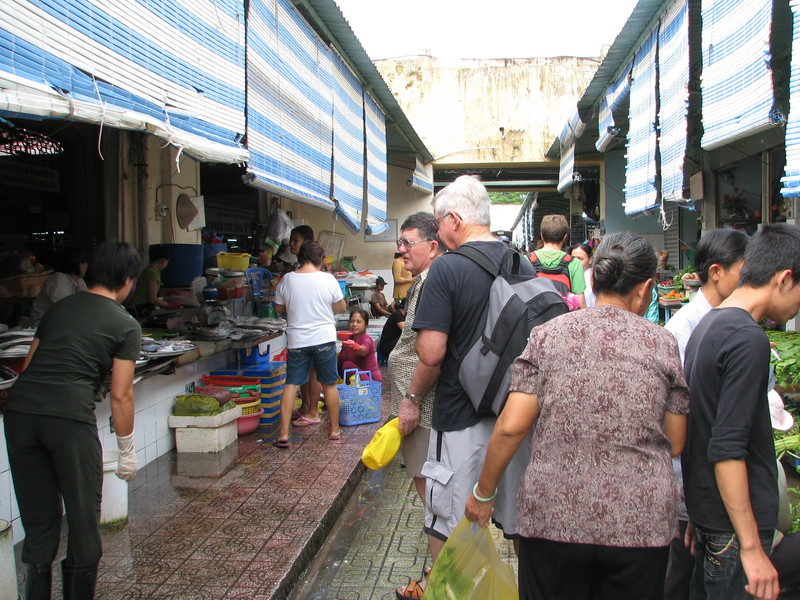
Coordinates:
155 398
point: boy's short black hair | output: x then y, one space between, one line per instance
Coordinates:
722 247
304 231
157 252
112 265
774 248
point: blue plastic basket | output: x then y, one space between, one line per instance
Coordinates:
360 403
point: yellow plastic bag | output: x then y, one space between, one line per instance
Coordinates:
383 446
469 568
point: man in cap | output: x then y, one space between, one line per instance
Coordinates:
380 307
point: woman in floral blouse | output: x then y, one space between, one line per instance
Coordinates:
598 502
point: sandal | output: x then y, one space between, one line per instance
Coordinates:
335 436
282 444
414 589
304 420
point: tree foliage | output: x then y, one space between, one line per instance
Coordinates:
507 197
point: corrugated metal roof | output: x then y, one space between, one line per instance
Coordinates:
327 18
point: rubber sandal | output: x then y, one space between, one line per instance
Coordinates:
412 591
282 444
304 421
335 436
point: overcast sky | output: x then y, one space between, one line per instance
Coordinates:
485 29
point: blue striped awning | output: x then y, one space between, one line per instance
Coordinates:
420 180
173 68
736 81
673 77
571 132
640 169
376 166
289 104
791 180
610 102
348 144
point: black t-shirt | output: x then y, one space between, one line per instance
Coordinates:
79 338
453 302
391 333
727 368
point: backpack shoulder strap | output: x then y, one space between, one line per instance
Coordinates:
479 258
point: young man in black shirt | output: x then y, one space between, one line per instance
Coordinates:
729 469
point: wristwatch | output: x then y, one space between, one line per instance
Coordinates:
413 398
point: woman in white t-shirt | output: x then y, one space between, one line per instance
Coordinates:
310 298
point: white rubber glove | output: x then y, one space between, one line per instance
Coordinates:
127 464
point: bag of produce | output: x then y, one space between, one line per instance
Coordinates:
469 568
221 394
196 405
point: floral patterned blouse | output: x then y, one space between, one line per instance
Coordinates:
600 469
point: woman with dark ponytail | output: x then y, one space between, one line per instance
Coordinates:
606 390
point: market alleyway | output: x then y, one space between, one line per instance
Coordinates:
246 524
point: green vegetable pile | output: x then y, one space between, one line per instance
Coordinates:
450 582
787 369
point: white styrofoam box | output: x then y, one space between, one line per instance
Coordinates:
5 495
206 439
206 434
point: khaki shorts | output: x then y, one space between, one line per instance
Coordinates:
455 460
414 448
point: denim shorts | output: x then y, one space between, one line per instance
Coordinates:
322 358
718 572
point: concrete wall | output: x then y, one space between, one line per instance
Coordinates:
459 105
167 177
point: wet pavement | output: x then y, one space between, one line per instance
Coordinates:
240 524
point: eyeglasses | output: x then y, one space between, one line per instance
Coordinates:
409 243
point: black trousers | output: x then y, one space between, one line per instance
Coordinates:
563 571
53 459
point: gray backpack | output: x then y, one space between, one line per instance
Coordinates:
517 303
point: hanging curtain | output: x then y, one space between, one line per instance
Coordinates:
737 81
289 105
419 179
348 144
791 181
673 86
640 169
161 67
375 128
571 132
611 101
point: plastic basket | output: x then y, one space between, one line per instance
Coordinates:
249 408
236 261
359 403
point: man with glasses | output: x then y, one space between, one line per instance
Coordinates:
452 305
418 246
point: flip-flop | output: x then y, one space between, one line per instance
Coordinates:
412 591
304 421
282 444
335 436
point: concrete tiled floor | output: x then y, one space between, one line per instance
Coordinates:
243 523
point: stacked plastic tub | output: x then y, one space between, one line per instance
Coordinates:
273 377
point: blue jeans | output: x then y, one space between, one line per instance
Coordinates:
321 357
718 572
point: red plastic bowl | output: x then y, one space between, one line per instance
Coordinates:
344 335
249 423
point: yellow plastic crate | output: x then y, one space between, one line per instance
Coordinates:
237 261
